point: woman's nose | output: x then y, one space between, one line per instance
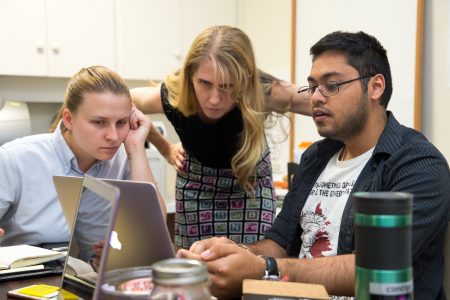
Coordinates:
216 96
112 133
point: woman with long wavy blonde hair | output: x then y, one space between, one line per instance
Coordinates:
218 102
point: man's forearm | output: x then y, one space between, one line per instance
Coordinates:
267 247
336 273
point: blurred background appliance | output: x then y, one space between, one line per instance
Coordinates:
157 162
14 120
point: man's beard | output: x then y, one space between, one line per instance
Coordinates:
353 122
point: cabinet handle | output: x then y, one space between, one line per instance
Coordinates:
40 46
55 48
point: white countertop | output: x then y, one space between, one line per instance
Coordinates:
170 206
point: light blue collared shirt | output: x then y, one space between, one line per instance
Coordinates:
30 211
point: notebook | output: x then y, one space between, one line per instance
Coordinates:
135 227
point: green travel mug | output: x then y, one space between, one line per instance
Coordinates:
383 245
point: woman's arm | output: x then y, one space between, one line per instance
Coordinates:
137 157
173 153
284 97
148 99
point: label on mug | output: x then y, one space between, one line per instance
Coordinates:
391 289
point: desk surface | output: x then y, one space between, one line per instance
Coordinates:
16 284
56 281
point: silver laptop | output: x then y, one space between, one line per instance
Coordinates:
68 189
125 213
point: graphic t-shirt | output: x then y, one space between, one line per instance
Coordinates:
320 218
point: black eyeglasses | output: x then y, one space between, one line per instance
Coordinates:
329 88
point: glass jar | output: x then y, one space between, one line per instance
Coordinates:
180 279
128 283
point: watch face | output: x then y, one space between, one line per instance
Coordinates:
271 277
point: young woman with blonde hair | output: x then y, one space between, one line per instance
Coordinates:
218 103
97 133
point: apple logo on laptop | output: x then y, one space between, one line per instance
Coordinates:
114 241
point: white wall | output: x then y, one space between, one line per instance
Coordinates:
436 92
268 24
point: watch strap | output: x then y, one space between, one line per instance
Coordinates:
272 272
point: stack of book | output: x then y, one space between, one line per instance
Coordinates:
26 261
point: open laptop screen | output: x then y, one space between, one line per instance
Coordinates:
93 224
133 224
140 227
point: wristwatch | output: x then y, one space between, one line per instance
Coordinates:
272 272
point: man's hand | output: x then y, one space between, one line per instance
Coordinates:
228 265
200 246
2 232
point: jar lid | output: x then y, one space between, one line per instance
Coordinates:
179 271
135 281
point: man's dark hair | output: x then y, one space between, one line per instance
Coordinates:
363 52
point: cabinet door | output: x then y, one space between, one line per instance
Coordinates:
148 38
22 32
197 15
80 33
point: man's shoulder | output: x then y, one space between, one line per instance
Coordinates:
398 139
414 142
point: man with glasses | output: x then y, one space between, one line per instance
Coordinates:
364 149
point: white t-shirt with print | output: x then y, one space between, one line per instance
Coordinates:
320 218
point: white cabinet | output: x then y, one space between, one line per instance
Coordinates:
22 30
148 38
198 15
55 37
153 36
141 39
80 33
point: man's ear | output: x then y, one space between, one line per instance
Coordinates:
67 118
376 87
